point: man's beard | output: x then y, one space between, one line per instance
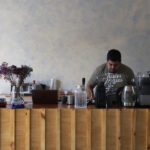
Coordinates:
112 71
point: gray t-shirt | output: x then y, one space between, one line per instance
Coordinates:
112 81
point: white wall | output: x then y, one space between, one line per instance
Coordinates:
68 39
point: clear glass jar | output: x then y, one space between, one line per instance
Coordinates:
80 97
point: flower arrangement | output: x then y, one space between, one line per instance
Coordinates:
15 75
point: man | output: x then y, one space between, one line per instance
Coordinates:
114 74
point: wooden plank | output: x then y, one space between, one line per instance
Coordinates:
73 130
98 129
118 135
148 131
83 129
37 129
141 129
127 120
22 129
133 129
113 129
67 129
7 132
52 129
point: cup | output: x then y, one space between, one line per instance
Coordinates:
53 84
70 100
64 99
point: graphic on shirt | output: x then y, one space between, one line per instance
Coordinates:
112 81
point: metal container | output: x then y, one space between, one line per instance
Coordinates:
143 90
70 100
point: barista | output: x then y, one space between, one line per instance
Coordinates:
117 74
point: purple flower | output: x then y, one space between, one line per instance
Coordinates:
14 74
4 64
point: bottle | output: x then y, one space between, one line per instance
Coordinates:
33 85
83 83
80 97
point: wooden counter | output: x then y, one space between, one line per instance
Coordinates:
59 127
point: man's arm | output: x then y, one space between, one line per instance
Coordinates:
93 82
89 90
130 77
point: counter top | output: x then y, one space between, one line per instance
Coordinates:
60 105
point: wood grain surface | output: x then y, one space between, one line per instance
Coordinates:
74 129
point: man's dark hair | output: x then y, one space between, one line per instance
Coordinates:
114 55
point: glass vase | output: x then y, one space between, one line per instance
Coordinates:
17 100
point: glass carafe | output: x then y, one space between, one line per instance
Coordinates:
129 96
